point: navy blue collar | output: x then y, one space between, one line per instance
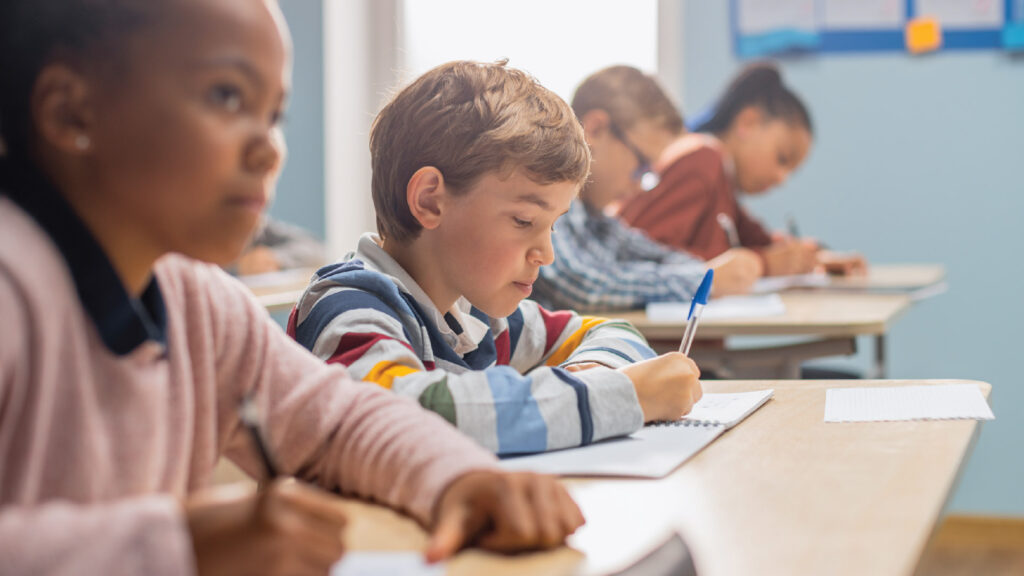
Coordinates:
123 322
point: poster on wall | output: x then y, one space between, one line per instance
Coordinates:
765 27
775 27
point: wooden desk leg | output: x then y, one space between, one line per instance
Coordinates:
880 370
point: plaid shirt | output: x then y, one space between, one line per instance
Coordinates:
602 264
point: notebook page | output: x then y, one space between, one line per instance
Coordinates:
943 402
393 563
768 284
727 409
651 452
724 308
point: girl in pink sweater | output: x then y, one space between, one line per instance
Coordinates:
142 143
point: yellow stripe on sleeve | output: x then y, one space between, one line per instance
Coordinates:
384 373
562 353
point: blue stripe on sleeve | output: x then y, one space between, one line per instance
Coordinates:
515 329
330 307
582 403
521 427
644 350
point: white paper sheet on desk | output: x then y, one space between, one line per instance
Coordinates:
943 402
724 308
390 563
769 284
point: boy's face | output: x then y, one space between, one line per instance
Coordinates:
493 239
187 143
620 156
768 152
613 172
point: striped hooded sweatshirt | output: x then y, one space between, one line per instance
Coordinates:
502 381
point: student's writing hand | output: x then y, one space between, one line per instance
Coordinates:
502 511
667 386
788 256
289 528
842 263
736 270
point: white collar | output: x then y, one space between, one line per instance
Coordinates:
473 329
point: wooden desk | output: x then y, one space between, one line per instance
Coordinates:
782 493
893 277
279 291
832 318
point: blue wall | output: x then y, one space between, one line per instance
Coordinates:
300 192
915 159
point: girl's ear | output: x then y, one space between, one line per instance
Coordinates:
426 194
62 110
748 118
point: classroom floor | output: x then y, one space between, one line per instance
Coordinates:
973 545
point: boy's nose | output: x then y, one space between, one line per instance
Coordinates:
544 254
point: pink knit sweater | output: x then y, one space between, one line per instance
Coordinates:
97 451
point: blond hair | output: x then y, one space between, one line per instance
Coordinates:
467 119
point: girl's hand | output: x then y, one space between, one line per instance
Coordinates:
502 511
288 528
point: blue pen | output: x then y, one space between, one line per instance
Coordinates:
700 299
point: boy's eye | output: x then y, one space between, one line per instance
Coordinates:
522 223
277 118
227 96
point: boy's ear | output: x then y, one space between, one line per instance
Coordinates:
426 194
62 109
596 125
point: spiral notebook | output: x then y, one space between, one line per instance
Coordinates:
654 450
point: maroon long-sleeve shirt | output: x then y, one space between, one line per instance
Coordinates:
682 210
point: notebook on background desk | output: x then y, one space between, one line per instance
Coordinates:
722 308
654 450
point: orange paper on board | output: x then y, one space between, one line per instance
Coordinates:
923 35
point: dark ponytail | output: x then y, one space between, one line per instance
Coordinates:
34 33
759 84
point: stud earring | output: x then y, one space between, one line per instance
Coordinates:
82 142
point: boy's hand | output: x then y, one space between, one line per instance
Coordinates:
667 386
502 511
289 528
842 263
788 256
736 270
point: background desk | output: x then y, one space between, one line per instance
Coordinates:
782 493
830 319
279 291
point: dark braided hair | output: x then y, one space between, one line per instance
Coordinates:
34 33
760 85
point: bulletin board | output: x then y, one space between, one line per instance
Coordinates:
773 27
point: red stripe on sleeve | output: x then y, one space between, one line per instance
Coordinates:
354 344
554 324
501 349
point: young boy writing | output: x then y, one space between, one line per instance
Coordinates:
472 165
600 262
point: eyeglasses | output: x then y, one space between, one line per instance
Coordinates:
643 173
